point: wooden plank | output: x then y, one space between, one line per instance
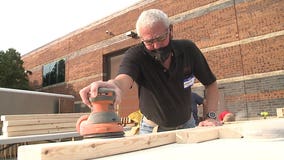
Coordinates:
201 134
94 148
41 116
35 132
38 127
40 137
38 121
231 131
196 135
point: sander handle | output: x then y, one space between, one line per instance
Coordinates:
106 90
104 94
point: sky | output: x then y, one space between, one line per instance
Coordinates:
26 25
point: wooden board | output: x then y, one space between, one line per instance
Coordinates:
38 127
36 132
94 148
201 134
39 137
37 121
41 116
196 135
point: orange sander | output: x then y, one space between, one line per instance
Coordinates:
103 121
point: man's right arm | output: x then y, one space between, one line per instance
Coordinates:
120 85
123 81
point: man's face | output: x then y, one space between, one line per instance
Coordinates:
155 37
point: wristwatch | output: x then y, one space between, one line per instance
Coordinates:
211 115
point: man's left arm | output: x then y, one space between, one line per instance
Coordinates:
212 96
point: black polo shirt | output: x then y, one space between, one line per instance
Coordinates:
162 95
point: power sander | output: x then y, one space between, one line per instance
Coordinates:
103 121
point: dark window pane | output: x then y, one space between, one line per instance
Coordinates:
53 73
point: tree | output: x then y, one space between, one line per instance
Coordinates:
12 72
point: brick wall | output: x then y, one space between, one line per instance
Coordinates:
239 38
246 97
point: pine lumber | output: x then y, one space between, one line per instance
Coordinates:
38 127
231 131
36 132
94 148
37 121
41 116
197 135
37 138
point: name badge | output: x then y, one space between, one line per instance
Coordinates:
188 82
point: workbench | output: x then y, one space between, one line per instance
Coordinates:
259 139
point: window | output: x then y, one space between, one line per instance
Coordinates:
130 100
53 73
111 64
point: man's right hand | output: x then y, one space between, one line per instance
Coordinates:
92 91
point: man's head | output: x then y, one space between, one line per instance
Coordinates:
154 29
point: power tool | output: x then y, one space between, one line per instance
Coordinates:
263 114
103 121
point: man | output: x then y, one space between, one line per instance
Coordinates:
195 100
164 70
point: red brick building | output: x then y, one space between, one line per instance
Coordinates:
241 39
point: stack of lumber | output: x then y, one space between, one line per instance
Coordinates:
280 112
34 124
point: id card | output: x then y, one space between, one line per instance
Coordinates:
188 82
